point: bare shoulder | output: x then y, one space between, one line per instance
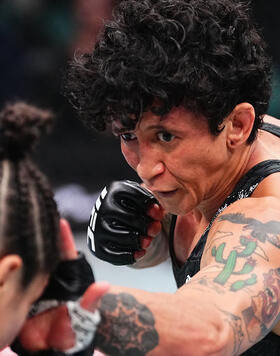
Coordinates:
249 223
240 270
271 120
263 205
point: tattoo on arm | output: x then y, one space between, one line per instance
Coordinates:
257 233
127 327
261 316
260 231
204 283
230 263
236 326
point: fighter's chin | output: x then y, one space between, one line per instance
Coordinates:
173 203
174 209
179 212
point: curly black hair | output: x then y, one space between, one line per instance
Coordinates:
206 55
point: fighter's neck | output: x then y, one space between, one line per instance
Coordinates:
237 167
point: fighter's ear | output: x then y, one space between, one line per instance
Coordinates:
9 264
240 124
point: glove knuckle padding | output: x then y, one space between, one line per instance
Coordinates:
125 234
118 219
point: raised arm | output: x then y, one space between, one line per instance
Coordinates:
226 308
230 305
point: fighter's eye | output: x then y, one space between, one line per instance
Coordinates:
165 136
128 136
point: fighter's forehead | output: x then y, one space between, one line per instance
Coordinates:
118 127
148 120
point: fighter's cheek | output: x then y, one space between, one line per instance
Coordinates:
130 156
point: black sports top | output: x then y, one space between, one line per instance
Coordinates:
270 345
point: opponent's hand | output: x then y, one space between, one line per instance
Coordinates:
53 329
72 276
123 222
50 326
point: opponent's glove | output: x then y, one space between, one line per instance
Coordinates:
118 219
68 283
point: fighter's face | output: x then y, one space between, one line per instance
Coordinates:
15 305
176 157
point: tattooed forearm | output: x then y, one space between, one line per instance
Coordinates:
260 317
238 334
127 327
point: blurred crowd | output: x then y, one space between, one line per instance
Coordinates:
38 38
266 15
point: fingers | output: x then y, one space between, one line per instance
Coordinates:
34 333
139 254
52 328
67 242
145 242
62 337
154 228
156 212
93 294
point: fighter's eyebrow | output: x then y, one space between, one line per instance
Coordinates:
155 127
119 130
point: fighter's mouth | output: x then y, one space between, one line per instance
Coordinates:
166 194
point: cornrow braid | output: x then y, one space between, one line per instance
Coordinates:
26 224
29 220
4 186
48 225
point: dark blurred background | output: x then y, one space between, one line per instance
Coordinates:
37 39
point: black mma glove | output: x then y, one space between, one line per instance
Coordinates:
118 219
68 282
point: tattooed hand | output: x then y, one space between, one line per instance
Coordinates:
127 327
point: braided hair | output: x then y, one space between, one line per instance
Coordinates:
29 220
